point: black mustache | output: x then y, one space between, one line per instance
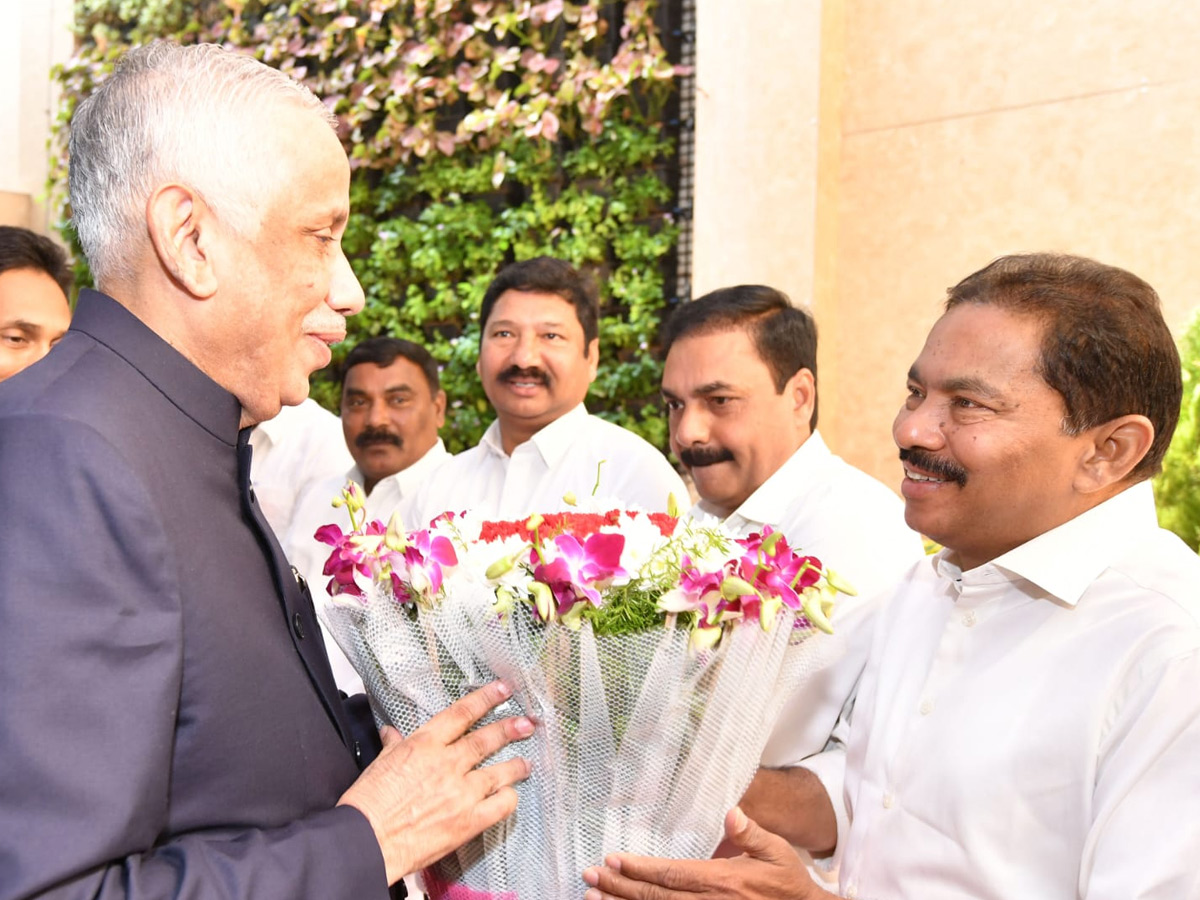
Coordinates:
369 436
693 457
516 373
935 465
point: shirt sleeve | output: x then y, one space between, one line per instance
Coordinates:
1145 833
91 659
830 768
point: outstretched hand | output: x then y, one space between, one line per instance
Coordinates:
767 869
425 795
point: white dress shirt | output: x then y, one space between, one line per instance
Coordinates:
314 509
292 452
855 526
1031 727
565 456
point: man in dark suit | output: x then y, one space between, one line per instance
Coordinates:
169 725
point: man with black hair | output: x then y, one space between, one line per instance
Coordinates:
539 349
34 283
392 408
1028 723
740 386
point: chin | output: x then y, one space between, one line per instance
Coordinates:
294 391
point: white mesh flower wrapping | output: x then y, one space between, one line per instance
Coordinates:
642 744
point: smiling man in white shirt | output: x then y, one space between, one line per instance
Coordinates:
539 350
1028 723
740 387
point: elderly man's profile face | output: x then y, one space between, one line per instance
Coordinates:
34 314
728 423
987 465
290 286
389 417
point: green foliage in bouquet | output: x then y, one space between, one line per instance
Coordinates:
479 133
1177 488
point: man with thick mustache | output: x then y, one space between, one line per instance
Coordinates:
1028 723
392 408
740 386
539 348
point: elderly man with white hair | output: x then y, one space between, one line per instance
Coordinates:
170 725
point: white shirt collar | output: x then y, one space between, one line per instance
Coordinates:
772 500
407 481
552 442
1066 560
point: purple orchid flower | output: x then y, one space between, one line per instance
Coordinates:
424 558
573 574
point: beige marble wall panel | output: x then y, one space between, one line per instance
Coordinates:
1114 176
35 37
911 61
756 144
16 209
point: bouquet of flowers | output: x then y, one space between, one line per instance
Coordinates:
654 654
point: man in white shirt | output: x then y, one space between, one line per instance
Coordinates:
1028 723
539 348
297 448
392 408
740 387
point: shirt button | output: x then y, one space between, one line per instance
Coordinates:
968 618
851 891
926 707
297 626
889 800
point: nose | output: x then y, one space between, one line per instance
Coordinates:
524 353
688 426
345 293
377 413
918 424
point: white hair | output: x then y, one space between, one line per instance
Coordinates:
192 115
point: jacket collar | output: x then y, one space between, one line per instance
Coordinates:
193 392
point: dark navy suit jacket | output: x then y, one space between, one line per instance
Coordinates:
168 723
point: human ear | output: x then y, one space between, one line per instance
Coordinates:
1113 451
593 358
439 408
802 388
179 223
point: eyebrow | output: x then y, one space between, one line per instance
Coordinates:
24 325
394 389
962 384
545 323
703 391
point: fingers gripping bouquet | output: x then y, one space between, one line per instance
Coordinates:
654 654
